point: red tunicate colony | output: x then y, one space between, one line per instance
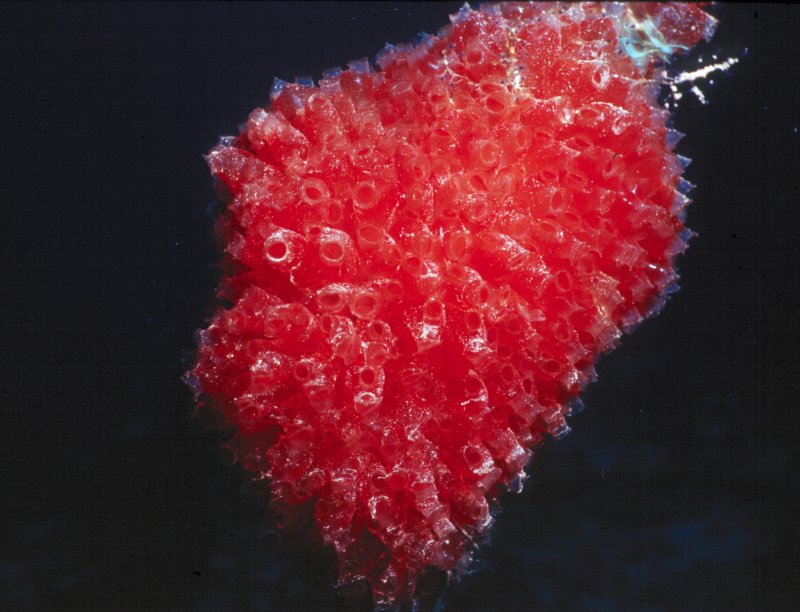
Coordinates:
424 260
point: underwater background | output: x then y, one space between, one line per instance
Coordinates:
677 488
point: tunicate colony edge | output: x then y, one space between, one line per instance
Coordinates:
423 260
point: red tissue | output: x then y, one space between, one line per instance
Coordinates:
423 262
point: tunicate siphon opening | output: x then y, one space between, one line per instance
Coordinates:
561 200
586 339
600 76
301 371
508 373
433 311
277 251
313 190
393 290
274 325
474 56
369 235
518 227
521 138
437 95
442 131
313 231
582 142
473 385
543 134
473 456
551 366
299 316
419 168
488 87
413 264
472 320
477 294
489 153
549 174
549 230
588 114
362 154
367 377
331 299
476 181
331 252
378 480
376 331
575 180
477 210
365 305
365 195
561 332
496 103
563 280
457 245
317 102
422 243
448 216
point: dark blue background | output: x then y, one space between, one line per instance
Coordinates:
676 490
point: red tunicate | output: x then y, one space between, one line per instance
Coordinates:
426 260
